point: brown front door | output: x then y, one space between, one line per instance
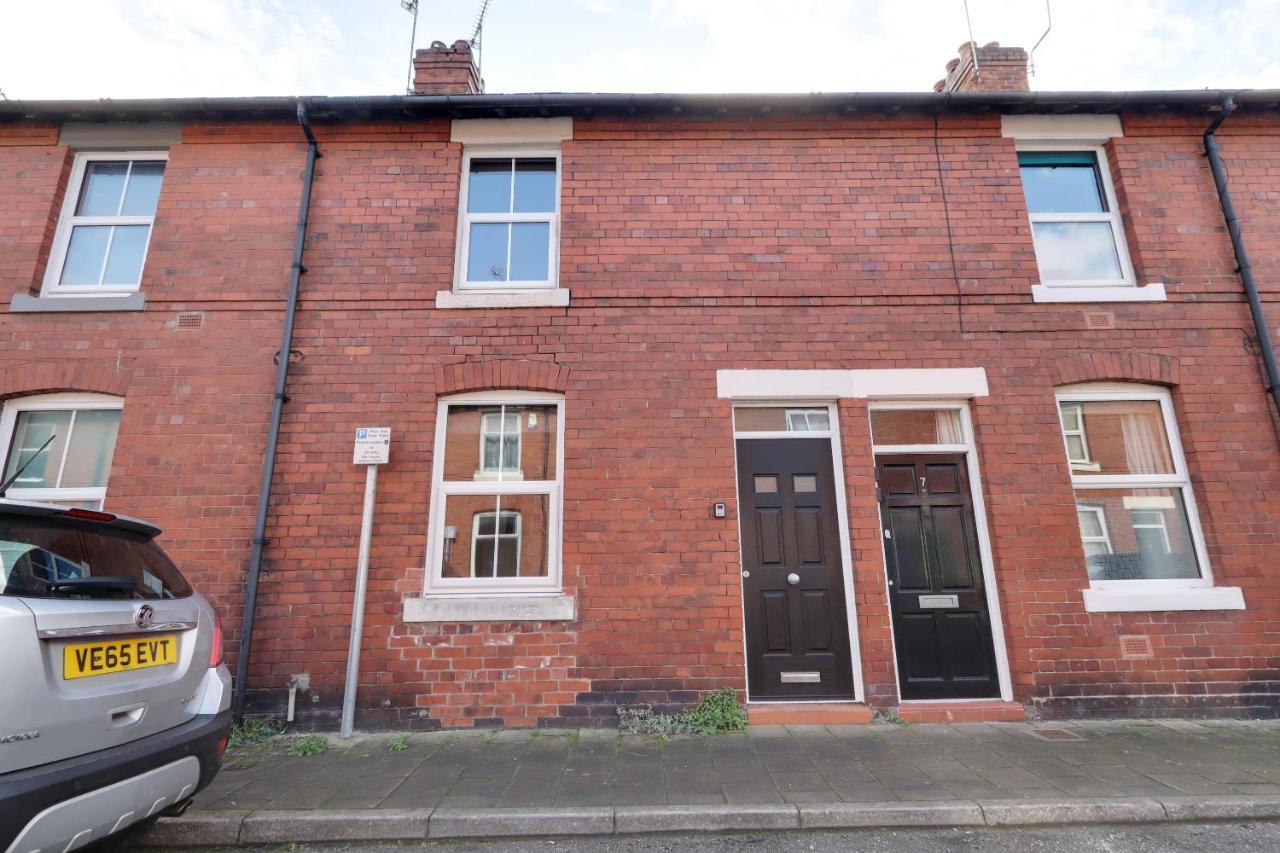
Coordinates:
793 581
941 627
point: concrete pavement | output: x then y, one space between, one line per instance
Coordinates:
535 783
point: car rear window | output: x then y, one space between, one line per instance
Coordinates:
36 554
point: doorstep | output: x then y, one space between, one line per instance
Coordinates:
807 713
975 711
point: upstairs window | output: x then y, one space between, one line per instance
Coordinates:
100 245
1079 238
78 436
1134 501
510 222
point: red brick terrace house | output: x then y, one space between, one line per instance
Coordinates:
950 403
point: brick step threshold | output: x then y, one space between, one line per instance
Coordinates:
855 713
224 828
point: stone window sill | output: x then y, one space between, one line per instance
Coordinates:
557 298
1153 292
1112 600
25 303
523 608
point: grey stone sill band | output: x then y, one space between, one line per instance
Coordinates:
199 829
25 303
514 608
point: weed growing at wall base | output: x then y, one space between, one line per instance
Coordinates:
717 712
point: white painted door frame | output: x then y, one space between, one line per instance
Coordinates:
970 450
842 516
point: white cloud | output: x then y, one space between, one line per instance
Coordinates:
799 45
128 48
133 48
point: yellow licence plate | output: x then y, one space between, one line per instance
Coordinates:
84 659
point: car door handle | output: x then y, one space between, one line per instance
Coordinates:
793 579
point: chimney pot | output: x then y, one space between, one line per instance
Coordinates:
443 69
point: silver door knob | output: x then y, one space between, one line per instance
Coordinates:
793 579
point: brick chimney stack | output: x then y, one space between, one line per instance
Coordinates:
445 70
997 69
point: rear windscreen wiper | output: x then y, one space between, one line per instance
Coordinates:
91 585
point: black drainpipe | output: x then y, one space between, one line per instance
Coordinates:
277 410
1242 255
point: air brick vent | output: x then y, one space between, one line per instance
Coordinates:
190 320
1135 646
1099 320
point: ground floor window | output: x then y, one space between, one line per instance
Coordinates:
495 511
63 445
1133 496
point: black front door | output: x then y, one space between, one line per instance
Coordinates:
941 627
793 581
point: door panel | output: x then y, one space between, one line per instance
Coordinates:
918 635
951 537
769 529
777 627
817 622
906 540
793 580
809 535
942 630
962 634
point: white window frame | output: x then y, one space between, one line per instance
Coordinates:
1100 514
497 525
1162 525
67 221
1111 216
1087 463
439 586
51 403
466 219
503 469
1179 480
802 417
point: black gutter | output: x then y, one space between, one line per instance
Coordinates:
576 103
1243 267
277 411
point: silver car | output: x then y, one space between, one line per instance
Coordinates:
113 695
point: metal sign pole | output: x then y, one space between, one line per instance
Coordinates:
357 608
372 447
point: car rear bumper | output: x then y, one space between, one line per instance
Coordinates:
155 769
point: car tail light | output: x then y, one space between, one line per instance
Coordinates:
215 653
222 748
90 515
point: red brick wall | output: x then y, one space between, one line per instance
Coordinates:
689 245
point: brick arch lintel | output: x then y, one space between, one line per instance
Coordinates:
48 377
1114 366
492 374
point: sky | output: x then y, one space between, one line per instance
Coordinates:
211 48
